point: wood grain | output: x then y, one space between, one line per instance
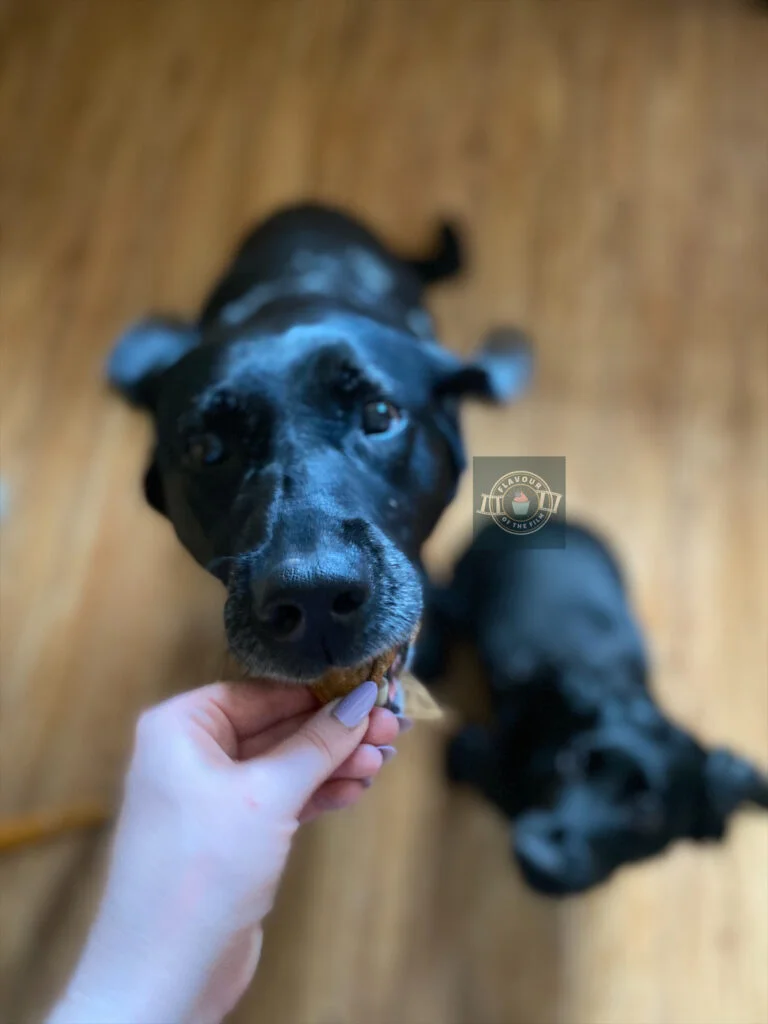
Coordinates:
608 160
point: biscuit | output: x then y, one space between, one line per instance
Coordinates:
338 682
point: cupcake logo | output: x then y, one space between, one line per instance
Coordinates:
520 503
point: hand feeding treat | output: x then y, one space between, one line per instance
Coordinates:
399 691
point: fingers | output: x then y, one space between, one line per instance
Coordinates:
362 763
298 765
335 795
229 713
265 741
383 728
253 707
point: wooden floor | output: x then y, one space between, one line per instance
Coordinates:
608 160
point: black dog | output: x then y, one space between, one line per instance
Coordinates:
577 753
307 436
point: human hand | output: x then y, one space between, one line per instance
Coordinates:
219 781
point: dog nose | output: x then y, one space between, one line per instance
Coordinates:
301 602
556 835
540 852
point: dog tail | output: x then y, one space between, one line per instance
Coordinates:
446 261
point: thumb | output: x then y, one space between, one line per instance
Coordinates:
304 761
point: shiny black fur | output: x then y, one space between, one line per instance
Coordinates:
264 458
578 754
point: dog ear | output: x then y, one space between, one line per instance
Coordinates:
731 780
499 372
144 352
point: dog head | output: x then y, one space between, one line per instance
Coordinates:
305 464
624 792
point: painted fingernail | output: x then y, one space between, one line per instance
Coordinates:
356 705
387 753
405 723
366 783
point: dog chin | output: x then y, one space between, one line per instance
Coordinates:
550 884
256 662
553 872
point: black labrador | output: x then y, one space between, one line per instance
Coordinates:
577 753
307 435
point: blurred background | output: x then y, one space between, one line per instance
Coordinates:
608 162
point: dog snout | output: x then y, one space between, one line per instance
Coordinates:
313 602
317 598
554 859
545 847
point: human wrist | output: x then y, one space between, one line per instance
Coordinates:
136 969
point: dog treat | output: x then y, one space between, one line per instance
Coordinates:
338 682
404 695
418 702
399 691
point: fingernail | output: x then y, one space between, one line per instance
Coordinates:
387 753
405 723
366 783
356 705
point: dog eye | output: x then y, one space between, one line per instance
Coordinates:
634 784
379 417
204 450
594 763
